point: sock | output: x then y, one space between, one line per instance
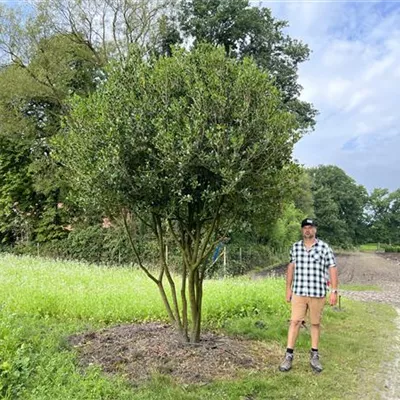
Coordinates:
314 350
290 351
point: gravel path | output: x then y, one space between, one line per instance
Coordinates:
371 269
383 271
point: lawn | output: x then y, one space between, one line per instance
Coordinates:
43 302
370 247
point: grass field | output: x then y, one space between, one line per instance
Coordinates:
370 247
43 302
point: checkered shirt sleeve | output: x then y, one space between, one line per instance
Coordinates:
311 268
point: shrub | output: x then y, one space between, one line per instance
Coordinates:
391 248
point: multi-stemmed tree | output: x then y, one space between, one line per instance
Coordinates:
190 145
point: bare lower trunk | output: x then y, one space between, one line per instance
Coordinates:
199 300
195 297
194 239
185 321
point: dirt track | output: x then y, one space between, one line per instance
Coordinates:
382 270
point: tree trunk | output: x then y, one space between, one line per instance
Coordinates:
199 300
195 298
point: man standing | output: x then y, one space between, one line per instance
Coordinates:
306 287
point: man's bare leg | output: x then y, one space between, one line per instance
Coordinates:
293 333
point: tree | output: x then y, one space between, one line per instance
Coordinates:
190 145
32 103
49 51
246 31
107 28
339 205
384 216
302 194
394 219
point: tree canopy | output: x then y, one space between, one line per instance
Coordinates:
339 205
246 31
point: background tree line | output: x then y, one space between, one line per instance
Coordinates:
58 50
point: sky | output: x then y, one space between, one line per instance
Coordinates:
353 80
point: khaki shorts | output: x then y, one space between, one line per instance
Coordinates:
300 305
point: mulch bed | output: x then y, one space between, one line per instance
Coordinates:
139 351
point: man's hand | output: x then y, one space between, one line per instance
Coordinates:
333 299
289 295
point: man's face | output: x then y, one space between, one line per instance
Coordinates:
309 231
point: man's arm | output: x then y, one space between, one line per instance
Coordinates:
289 281
333 275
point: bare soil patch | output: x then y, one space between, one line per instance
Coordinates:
395 257
139 351
368 268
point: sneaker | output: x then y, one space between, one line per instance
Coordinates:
314 361
287 363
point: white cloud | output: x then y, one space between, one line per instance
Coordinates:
353 79
369 109
357 98
337 88
379 68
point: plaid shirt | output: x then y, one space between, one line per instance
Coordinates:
311 268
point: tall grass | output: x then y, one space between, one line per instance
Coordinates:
43 302
67 290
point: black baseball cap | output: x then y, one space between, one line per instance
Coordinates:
308 221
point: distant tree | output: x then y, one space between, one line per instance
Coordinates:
191 145
246 31
339 205
32 103
107 28
302 194
384 216
394 218
283 232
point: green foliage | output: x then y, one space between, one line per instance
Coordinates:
162 134
17 361
95 244
62 49
369 247
384 216
196 142
339 206
31 105
303 194
246 31
391 249
54 57
286 230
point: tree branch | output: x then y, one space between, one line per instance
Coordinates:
146 271
157 222
209 233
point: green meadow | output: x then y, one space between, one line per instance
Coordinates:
43 302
